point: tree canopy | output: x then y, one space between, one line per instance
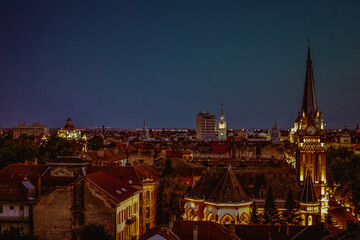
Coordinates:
343 174
171 192
25 148
271 213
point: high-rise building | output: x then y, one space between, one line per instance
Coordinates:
222 126
206 126
308 134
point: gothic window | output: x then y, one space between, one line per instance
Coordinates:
227 219
244 219
147 214
191 215
211 217
310 220
147 195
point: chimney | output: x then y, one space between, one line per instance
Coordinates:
195 232
35 161
165 229
38 185
171 223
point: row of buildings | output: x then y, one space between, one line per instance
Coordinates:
56 200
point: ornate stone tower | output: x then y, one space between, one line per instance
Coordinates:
308 134
222 126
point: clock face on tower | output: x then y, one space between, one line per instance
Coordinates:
311 130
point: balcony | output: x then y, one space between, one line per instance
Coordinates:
131 220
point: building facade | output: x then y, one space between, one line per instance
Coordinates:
17 197
206 126
30 130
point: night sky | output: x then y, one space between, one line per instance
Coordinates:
120 63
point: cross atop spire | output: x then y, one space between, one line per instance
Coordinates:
309 103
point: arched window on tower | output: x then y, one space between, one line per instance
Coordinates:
310 220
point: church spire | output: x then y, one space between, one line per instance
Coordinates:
309 103
308 193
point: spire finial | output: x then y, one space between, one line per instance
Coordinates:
309 62
308 41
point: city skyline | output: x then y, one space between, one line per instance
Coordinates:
120 64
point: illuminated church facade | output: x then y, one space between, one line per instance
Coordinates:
220 197
309 136
69 131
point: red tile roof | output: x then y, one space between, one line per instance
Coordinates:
182 167
206 230
118 189
11 188
24 169
160 230
145 171
184 230
109 155
135 175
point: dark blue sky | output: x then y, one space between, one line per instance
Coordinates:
119 63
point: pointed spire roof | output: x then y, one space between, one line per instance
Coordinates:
228 190
222 111
309 103
308 193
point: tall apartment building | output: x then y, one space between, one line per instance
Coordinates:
206 126
30 130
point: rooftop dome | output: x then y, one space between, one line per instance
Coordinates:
69 126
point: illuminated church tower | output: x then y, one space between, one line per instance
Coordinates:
308 134
222 126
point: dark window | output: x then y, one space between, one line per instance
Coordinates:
21 208
1 209
147 214
147 226
11 207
